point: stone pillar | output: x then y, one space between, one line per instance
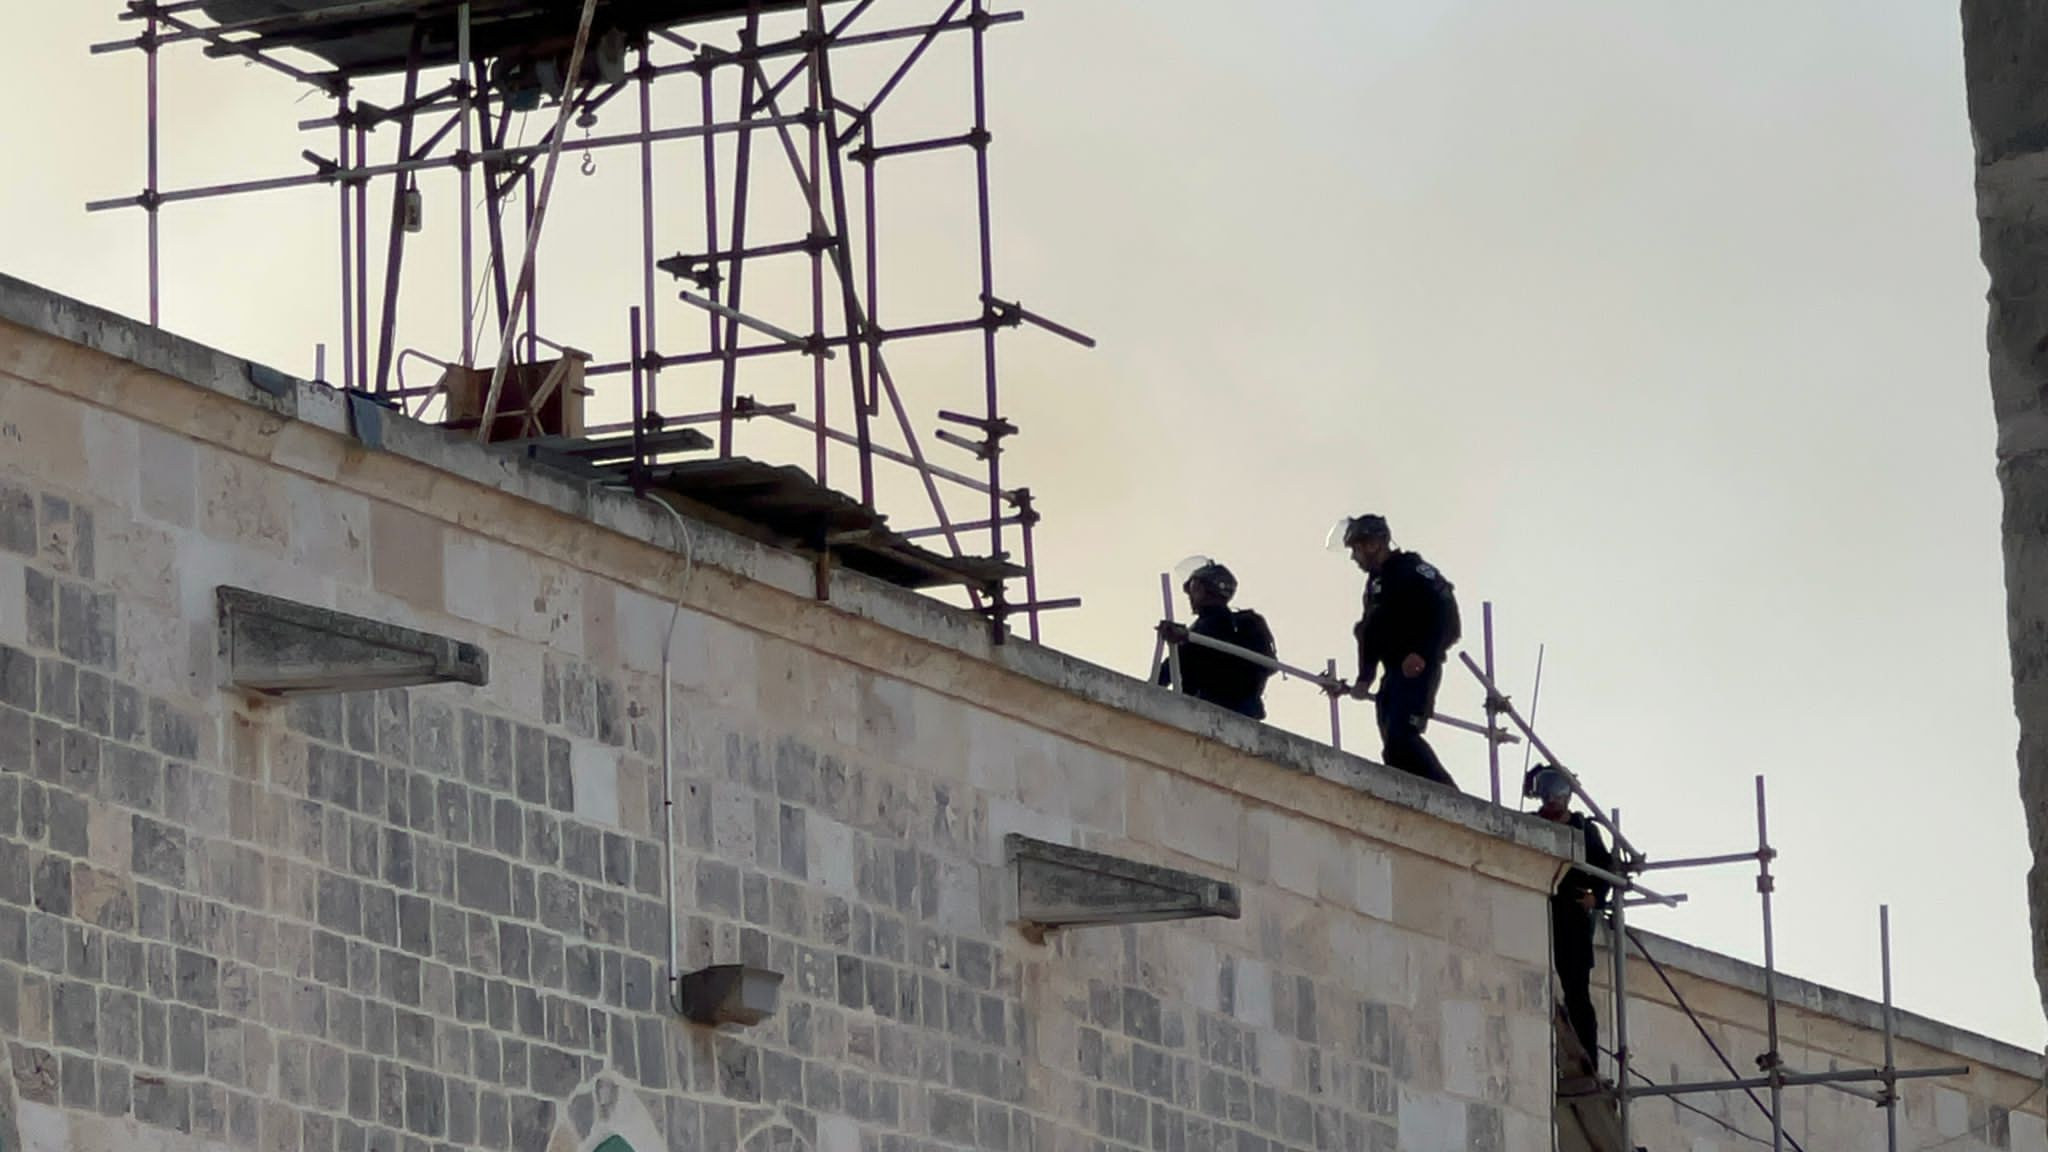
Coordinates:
2005 47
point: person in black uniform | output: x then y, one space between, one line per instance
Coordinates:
1218 677
1410 622
1579 896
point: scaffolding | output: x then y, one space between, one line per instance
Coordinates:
1627 891
773 106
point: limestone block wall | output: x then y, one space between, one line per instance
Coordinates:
1999 1106
435 918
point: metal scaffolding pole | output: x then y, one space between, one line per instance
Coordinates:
1619 960
1493 732
149 187
1771 1061
464 96
348 304
1890 1094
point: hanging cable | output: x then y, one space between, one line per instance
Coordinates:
1704 1034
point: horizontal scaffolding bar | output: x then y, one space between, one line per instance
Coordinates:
1748 857
351 175
944 530
1622 883
722 57
912 147
1797 1080
1320 680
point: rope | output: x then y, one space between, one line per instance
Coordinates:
1704 1034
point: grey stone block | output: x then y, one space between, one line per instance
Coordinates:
756 905
533 1122
618 860
433 735
421 804
67 823
162 1103
646 925
85 625
359 712
452 811
84 955
188 1040
133 777
561 781
543 838
426 1103
508 828
18 679
75 1014
66 536
362 1087
399 866
339 904
484 882
582 850
96 709
739 1070
116 1090
399 978
52 885
41 593
647 868
555 1071
172 731
530 763
158 851
79 1083
59 691
128 720
17 521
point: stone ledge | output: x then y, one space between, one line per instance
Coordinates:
1063 887
277 647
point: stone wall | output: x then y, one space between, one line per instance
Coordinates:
1999 1105
435 918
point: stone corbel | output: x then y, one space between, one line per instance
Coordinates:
1063 887
275 647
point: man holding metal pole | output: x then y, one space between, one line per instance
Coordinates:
1218 677
1410 622
1572 907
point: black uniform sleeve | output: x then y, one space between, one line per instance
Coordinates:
1599 857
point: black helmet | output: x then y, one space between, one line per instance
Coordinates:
1203 570
1351 529
1544 782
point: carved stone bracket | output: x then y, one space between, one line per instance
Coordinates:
1062 887
280 647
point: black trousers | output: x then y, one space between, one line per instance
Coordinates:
1404 707
1571 936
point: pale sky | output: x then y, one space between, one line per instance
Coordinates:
1659 325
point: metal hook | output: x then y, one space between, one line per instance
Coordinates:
589 163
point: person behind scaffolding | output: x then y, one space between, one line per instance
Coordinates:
1220 678
1409 623
1579 897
